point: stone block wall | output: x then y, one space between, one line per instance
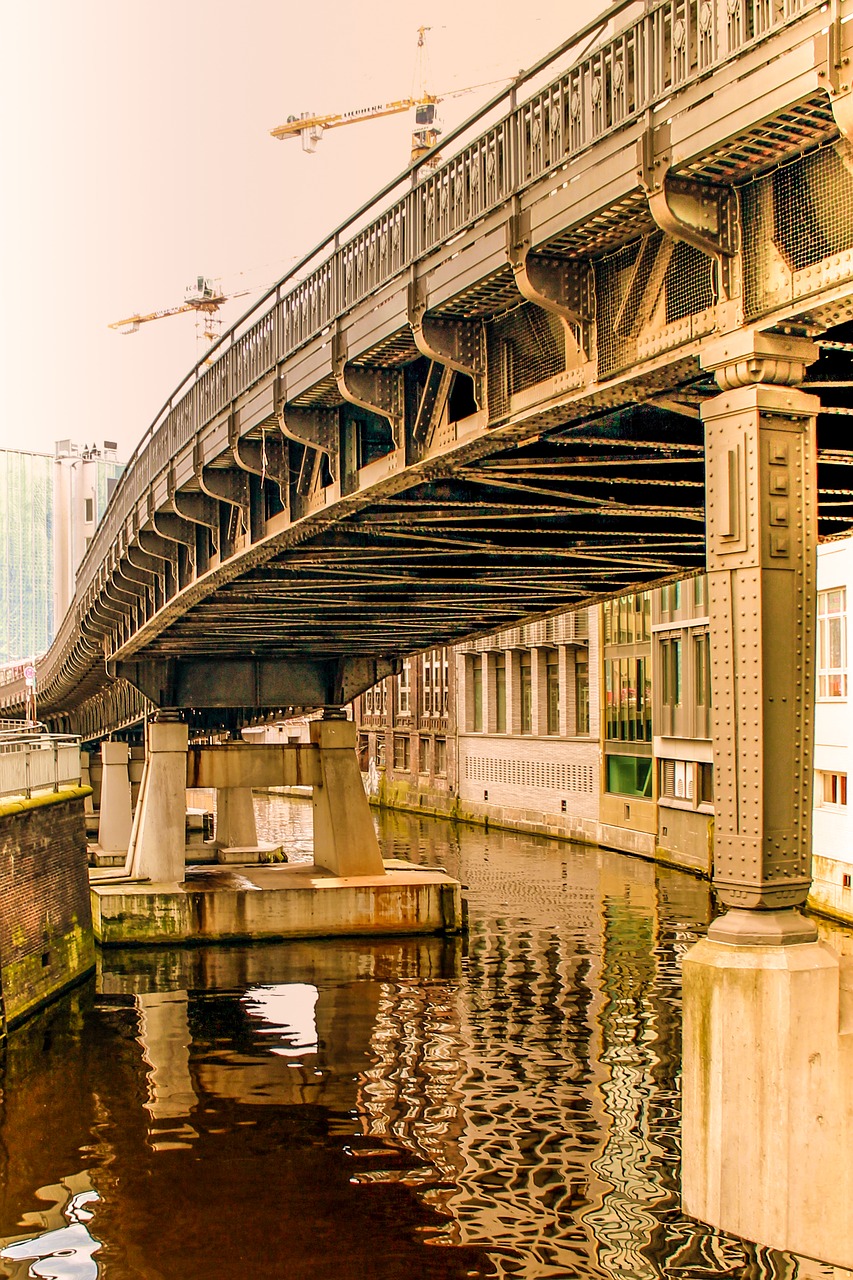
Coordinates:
46 940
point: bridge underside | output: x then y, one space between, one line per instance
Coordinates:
608 504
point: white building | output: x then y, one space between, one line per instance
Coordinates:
832 890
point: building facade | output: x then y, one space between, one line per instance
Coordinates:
596 726
26 554
832 828
50 505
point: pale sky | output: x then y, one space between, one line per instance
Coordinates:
135 155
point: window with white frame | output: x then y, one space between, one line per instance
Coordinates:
404 689
832 643
831 789
435 682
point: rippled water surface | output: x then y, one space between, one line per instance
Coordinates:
502 1105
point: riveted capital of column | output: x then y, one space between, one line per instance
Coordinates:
750 356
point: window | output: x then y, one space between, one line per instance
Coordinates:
423 755
629 775
670 598
375 700
90 510
581 693
401 752
700 592
440 755
435 683
704 783
627 619
526 692
552 691
477 694
831 789
832 644
671 691
702 668
404 689
500 693
628 700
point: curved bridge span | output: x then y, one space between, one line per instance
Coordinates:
485 397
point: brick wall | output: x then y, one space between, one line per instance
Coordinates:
45 914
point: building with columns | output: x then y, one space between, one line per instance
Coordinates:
596 726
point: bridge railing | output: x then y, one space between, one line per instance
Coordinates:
663 49
38 762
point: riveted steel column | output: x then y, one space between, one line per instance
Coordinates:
761 504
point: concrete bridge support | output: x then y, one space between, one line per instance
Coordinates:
158 839
345 840
115 818
235 819
767 1112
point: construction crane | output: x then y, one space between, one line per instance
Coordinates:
425 135
204 297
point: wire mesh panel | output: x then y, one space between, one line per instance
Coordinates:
690 284
524 347
795 220
646 293
814 207
613 275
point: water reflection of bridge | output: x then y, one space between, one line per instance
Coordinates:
515 1106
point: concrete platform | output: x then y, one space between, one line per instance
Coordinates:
294 900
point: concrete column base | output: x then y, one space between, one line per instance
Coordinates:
115 818
236 839
768 1095
235 818
158 840
345 840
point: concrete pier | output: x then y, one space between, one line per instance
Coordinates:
158 839
225 904
346 891
768 1064
115 819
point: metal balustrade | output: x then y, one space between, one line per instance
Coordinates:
663 50
38 762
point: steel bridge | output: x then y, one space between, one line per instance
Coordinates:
481 398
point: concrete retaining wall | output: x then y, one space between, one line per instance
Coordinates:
46 941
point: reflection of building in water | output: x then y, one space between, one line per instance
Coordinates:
411 1094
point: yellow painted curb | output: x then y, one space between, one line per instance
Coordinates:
43 800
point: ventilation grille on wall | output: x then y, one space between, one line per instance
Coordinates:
531 773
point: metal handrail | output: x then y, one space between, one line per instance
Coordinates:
41 762
671 45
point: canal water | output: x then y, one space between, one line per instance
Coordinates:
506 1104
